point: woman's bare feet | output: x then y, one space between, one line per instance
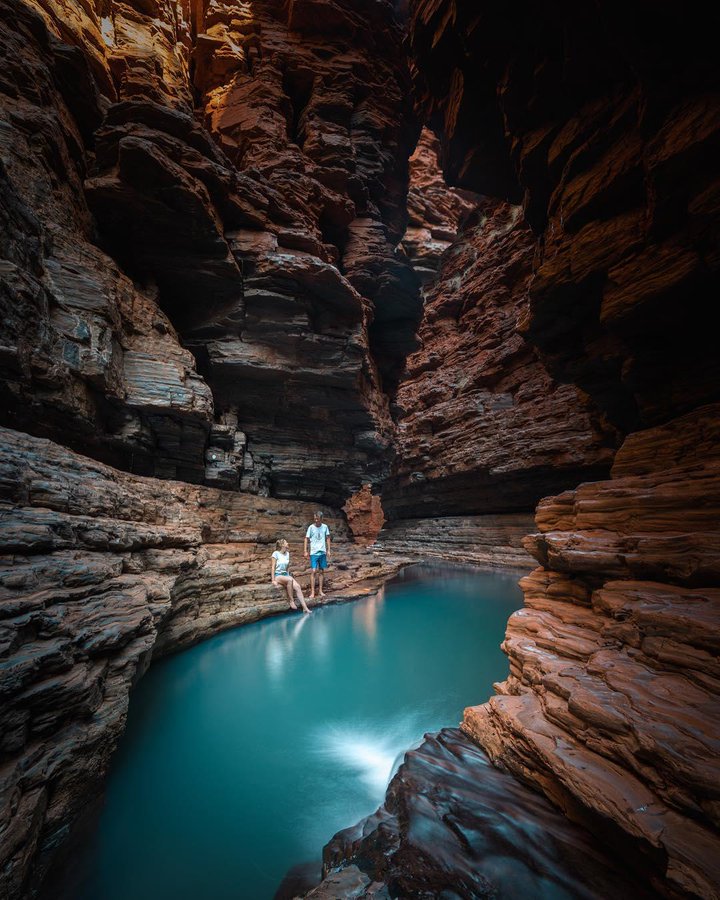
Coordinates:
306 609
293 606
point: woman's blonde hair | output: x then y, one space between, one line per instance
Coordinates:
278 544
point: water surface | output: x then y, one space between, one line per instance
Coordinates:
244 755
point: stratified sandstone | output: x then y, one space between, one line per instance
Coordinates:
613 701
604 124
245 168
86 355
436 212
488 542
101 572
482 427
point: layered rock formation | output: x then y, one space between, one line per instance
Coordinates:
246 170
200 211
607 136
482 427
87 355
436 211
487 542
100 572
610 146
483 431
201 207
613 702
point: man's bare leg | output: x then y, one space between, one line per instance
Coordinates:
312 584
320 582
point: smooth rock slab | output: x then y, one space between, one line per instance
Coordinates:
454 826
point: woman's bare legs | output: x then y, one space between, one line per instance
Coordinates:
299 595
285 581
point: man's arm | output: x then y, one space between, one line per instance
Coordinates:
305 547
327 543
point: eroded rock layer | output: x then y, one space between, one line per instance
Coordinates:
482 427
436 211
612 706
100 572
606 125
229 181
488 542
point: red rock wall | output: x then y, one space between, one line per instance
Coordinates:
199 211
364 514
230 182
436 212
603 121
481 425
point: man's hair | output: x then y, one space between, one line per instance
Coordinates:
319 514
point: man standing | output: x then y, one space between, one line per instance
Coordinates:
319 536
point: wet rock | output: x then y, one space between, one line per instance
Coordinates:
454 825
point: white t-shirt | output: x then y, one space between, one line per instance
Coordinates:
317 535
282 561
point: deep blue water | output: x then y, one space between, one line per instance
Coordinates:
244 755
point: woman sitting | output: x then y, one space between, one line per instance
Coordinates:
280 574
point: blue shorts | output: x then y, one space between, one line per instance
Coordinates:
318 561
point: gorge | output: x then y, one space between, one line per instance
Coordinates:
444 269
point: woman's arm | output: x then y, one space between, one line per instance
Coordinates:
272 570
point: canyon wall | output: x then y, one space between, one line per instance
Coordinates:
483 431
211 280
201 210
201 292
603 122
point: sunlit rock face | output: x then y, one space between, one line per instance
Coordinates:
436 211
87 354
605 125
230 183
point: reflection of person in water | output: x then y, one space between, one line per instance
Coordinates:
280 575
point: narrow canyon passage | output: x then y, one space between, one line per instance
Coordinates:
441 269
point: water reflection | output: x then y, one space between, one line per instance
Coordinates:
280 643
365 617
